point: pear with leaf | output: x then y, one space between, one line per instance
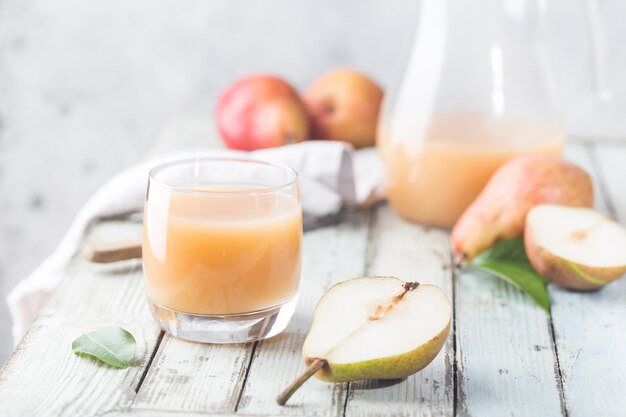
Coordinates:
499 212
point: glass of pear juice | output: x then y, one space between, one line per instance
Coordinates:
222 248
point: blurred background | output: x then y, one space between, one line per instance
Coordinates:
86 86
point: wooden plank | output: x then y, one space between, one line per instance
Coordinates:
209 378
44 377
196 377
590 330
330 255
506 364
413 253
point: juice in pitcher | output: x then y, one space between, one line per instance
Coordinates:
476 91
432 180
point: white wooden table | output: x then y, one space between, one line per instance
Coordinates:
504 357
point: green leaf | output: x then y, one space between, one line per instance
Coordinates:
507 260
510 250
112 345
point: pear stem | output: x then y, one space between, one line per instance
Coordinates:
458 261
315 366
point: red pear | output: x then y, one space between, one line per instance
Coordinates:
499 212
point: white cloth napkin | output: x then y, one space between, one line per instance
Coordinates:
332 175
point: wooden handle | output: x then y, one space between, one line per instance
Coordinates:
112 252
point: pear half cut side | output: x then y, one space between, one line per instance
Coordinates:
575 248
374 328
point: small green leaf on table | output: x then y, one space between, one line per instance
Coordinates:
507 260
111 345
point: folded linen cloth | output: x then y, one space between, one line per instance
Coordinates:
332 175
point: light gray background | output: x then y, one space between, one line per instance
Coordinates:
84 85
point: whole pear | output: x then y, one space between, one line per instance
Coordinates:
499 211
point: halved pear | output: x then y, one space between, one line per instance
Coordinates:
374 328
575 248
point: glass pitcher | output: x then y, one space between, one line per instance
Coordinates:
476 91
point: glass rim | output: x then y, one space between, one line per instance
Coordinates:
261 190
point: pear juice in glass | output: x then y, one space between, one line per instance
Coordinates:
222 248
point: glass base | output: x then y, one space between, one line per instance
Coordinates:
231 328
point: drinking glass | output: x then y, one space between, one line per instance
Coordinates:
222 248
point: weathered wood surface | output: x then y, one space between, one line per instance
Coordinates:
504 356
44 378
590 328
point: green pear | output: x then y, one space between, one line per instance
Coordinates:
374 328
575 248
